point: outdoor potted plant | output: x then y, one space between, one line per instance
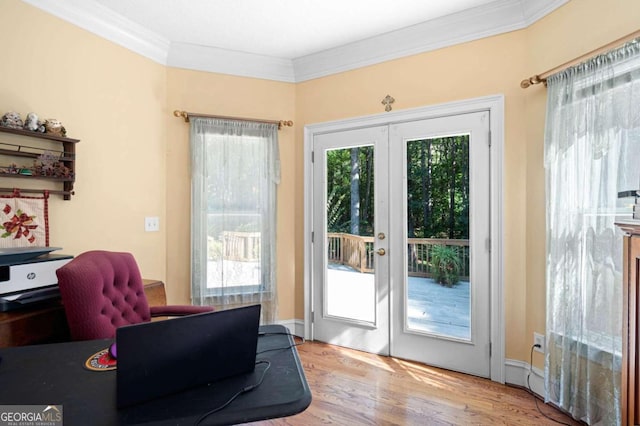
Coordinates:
445 265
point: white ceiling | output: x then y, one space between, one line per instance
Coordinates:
292 40
281 28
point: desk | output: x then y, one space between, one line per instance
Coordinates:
54 374
47 322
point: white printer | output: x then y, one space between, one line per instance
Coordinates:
28 276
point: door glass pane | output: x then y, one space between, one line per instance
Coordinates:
349 276
438 279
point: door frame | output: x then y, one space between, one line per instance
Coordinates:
495 105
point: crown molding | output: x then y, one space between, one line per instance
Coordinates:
491 19
103 22
213 59
536 10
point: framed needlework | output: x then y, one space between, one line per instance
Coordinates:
24 221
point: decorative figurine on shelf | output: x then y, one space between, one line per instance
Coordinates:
11 169
55 127
11 120
32 123
48 164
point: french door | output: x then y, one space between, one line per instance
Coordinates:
351 308
401 240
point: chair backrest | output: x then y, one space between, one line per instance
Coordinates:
102 291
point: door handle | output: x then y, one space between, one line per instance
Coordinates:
381 251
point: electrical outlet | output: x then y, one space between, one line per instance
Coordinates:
538 339
152 224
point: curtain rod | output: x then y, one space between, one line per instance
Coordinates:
186 115
542 78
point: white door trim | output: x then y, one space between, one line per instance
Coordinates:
368 331
495 105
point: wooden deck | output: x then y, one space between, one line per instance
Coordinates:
432 308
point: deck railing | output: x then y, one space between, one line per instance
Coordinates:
357 252
419 255
351 250
241 246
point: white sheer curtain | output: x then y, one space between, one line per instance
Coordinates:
592 146
235 168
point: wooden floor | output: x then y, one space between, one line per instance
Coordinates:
356 388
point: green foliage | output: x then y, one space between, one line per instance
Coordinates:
445 265
214 248
437 188
335 211
339 189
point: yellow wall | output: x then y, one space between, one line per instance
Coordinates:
485 67
231 96
133 155
113 100
573 30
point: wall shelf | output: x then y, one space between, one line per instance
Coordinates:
66 157
37 135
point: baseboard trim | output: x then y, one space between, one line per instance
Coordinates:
295 326
516 373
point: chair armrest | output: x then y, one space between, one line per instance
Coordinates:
178 310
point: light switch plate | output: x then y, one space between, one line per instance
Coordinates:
151 223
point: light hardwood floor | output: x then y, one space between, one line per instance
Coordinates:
356 388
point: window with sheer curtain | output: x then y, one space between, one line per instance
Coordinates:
592 153
234 174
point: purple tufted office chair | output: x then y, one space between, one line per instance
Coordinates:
103 290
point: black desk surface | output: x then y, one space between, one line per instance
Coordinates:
55 375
